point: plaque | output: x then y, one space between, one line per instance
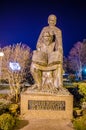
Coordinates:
46 105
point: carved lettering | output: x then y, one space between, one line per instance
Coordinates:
46 105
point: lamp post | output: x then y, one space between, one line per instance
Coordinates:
1 55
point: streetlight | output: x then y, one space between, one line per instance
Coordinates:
1 55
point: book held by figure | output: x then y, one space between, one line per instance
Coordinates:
46 59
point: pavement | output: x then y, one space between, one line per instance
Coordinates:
48 124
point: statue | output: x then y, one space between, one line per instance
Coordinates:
47 60
47 93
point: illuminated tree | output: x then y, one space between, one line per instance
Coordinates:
77 58
16 65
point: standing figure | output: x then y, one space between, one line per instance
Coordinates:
56 33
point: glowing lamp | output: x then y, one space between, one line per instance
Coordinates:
14 66
1 54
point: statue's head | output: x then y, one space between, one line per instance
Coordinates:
52 20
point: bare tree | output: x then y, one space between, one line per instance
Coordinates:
16 62
77 58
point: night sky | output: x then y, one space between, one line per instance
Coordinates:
22 21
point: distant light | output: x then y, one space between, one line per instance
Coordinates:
84 70
65 74
1 54
14 66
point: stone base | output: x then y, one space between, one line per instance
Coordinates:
46 106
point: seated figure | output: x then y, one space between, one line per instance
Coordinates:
46 63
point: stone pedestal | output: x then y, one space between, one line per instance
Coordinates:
46 106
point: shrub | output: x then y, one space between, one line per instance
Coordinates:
83 112
79 92
82 91
77 112
7 122
13 108
82 88
3 106
80 123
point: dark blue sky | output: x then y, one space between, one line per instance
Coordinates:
22 21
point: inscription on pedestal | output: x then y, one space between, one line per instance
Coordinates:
46 105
